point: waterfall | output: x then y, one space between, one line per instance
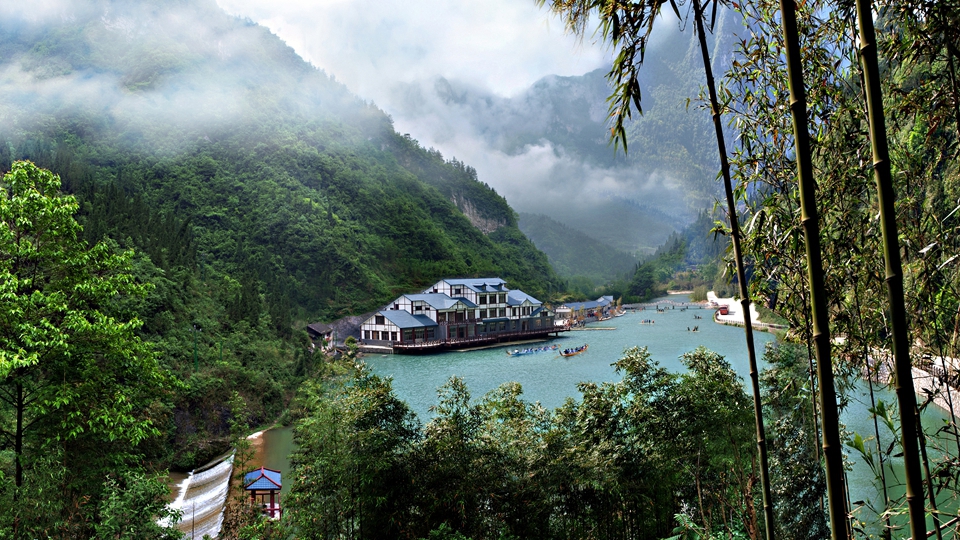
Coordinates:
202 497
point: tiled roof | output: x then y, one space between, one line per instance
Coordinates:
590 304
517 297
261 479
405 319
480 284
434 300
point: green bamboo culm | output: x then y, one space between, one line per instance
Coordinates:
698 16
829 413
903 376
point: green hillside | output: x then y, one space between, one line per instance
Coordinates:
258 195
572 253
282 174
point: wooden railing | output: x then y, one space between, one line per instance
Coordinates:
479 339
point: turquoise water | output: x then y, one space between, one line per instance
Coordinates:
549 378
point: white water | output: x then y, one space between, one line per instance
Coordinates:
201 498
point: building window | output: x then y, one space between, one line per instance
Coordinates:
483 314
503 299
393 336
503 312
418 308
396 306
441 317
379 319
456 291
483 299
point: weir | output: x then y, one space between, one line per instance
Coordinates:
202 497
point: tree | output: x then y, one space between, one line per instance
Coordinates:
350 480
628 27
76 382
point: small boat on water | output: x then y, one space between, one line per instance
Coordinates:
521 352
574 351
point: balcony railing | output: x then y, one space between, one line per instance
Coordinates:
478 339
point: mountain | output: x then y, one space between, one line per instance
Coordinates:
547 148
572 253
280 174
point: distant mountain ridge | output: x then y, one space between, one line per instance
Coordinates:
573 253
557 129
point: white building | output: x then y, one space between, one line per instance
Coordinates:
456 313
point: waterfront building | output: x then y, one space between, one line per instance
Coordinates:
456 313
591 310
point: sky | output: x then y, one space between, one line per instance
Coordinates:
384 50
394 52
501 45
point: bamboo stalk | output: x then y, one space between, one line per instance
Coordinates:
832 448
903 376
741 274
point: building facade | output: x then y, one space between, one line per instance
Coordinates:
457 313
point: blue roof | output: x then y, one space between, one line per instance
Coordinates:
517 297
600 302
435 300
591 304
479 284
261 479
405 319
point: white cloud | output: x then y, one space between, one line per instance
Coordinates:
503 45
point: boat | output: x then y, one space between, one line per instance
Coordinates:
574 352
521 352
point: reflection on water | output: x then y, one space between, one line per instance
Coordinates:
272 449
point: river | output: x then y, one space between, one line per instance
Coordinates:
550 378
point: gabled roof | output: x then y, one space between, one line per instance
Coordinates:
405 319
517 297
434 300
591 304
603 301
539 310
262 479
480 284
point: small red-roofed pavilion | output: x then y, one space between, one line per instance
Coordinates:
264 485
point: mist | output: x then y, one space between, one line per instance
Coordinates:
501 87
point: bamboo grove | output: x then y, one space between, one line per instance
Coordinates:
866 273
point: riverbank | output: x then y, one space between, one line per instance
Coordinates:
735 316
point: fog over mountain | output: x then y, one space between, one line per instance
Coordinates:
544 145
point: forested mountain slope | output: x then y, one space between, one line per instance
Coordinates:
573 253
284 176
552 139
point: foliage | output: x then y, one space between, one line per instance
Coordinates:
921 100
64 345
618 463
572 253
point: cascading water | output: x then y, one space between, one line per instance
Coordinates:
201 498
